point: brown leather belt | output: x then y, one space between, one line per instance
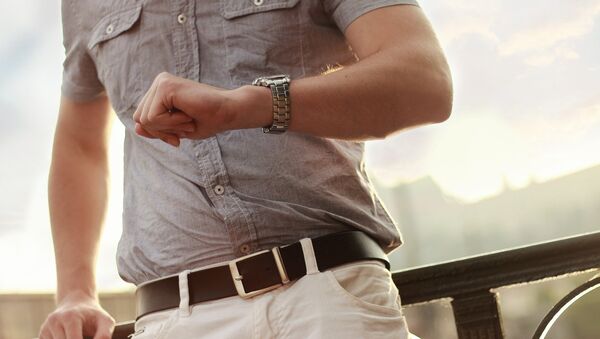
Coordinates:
259 272
123 330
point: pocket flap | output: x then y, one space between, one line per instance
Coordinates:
114 24
235 8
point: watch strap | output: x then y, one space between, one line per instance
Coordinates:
280 93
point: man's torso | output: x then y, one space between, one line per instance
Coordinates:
240 191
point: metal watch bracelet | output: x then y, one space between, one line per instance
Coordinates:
280 93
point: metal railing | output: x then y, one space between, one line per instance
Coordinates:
471 282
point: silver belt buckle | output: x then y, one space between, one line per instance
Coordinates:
238 278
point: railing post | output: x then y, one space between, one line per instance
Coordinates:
477 315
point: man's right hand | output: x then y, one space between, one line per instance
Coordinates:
77 194
76 316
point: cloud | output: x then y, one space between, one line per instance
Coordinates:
549 57
537 32
547 35
455 19
577 124
563 142
546 117
471 26
583 120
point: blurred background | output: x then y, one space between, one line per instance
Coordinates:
517 163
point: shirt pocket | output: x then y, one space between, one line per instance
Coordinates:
262 37
113 44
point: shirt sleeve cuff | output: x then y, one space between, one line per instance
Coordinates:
80 93
348 11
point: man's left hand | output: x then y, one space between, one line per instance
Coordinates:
175 108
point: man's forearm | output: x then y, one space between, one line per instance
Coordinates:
78 187
373 98
402 80
382 94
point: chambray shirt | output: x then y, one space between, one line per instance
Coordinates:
240 191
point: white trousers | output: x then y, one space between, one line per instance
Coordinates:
357 300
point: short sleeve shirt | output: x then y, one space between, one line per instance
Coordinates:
240 191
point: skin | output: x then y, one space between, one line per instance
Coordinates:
77 192
401 81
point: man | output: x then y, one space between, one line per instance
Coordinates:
181 73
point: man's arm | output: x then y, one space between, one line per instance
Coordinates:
401 80
77 192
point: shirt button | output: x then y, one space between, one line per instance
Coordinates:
258 2
219 190
181 18
109 29
245 249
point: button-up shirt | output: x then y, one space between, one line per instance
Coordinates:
240 191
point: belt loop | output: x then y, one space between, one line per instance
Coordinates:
184 294
309 256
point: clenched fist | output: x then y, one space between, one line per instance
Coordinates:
175 108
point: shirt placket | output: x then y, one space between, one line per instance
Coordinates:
237 220
185 39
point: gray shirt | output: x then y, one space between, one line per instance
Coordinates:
240 191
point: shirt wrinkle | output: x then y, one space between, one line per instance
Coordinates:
276 189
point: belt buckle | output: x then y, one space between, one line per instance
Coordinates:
238 278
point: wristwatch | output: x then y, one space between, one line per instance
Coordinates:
280 92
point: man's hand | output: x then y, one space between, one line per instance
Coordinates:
75 316
77 195
175 108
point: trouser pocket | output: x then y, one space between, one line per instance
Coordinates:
367 285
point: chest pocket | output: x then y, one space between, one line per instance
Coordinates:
262 37
113 44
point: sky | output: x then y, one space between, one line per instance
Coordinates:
526 108
527 98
